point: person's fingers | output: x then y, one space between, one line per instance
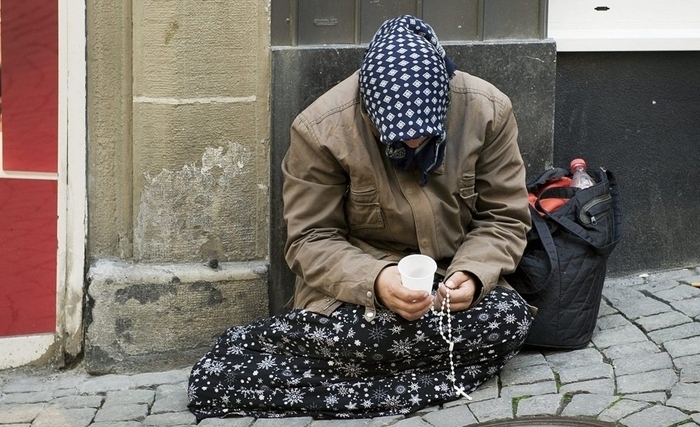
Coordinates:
460 297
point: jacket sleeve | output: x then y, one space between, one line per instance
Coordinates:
501 218
317 249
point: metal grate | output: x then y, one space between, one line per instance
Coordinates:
319 22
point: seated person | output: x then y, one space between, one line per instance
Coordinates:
407 155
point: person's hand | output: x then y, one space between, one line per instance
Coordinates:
462 287
407 303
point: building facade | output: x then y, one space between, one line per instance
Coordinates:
159 197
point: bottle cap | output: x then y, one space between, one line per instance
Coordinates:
577 162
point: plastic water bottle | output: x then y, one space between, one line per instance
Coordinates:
579 176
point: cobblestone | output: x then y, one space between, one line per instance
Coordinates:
545 387
605 386
656 416
621 409
490 410
587 405
642 363
647 381
663 320
642 369
585 373
547 404
687 330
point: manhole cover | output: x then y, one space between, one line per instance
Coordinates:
548 422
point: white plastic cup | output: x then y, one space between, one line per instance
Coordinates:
418 272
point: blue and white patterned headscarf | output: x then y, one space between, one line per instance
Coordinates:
404 83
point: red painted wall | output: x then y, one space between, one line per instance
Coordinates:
28 207
27 256
30 85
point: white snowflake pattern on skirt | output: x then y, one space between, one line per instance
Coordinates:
340 366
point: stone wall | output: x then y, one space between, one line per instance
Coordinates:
178 142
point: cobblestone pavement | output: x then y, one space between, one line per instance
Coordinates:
642 369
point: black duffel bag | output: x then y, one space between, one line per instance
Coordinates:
563 267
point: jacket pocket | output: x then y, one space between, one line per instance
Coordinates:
466 190
362 208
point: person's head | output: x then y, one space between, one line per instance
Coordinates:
404 84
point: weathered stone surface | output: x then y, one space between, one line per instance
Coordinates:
616 336
663 320
58 416
545 387
19 413
690 374
613 321
642 363
117 424
488 390
568 359
410 422
656 416
170 398
170 419
686 361
528 375
246 422
685 397
547 404
604 387
651 397
491 410
587 405
106 383
633 304
689 307
648 381
525 359
457 416
131 412
622 409
136 305
678 293
158 378
127 397
94 401
684 347
687 330
606 310
24 385
626 350
31 397
653 288
294 422
585 373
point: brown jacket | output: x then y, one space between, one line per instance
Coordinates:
350 214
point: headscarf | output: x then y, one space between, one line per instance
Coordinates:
404 83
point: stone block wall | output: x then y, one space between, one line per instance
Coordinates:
178 142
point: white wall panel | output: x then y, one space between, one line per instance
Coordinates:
624 25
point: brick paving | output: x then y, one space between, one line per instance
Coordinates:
642 369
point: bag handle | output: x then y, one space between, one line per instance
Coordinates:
545 235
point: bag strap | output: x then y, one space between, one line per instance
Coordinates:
540 226
534 185
581 233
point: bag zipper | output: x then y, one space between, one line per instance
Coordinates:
586 217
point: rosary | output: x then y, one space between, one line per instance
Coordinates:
445 312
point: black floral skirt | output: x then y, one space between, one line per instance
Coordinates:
341 366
